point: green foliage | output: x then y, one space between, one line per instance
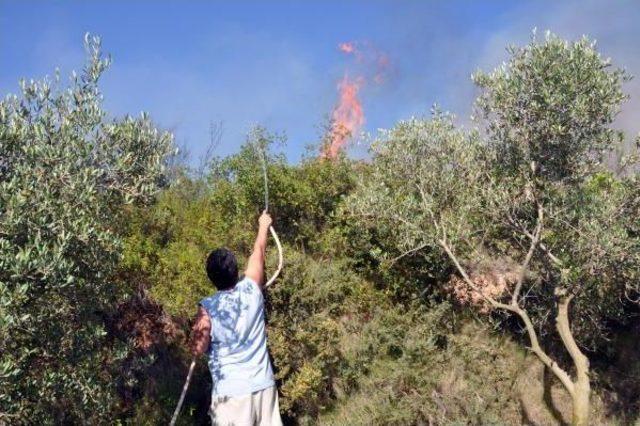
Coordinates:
442 190
170 241
548 112
359 328
65 174
314 309
424 185
589 231
167 245
418 366
552 103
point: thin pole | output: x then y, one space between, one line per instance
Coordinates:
184 392
263 157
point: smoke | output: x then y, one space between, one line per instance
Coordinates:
347 47
371 67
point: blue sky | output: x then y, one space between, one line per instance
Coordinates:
277 63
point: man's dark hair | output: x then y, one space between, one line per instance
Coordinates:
222 268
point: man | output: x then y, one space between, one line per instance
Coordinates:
230 326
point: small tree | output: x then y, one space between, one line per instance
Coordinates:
534 205
66 172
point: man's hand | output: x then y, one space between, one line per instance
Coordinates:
265 220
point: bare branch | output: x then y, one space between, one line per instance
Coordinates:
535 239
216 131
408 252
542 246
562 325
535 347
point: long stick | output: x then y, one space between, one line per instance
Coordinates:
280 258
184 392
263 157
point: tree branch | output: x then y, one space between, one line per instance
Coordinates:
562 325
535 239
535 347
408 252
542 246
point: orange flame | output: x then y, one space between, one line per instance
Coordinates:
347 116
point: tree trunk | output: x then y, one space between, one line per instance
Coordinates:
582 388
580 399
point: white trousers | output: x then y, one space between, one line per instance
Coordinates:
258 409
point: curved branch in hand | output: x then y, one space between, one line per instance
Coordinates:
280 258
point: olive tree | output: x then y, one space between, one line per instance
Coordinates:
66 173
527 213
548 114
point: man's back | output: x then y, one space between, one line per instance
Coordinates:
238 358
230 328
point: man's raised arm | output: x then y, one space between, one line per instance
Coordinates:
255 266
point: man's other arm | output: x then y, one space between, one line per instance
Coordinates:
200 332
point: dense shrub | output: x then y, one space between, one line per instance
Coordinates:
66 173
359 328
314 310
167 245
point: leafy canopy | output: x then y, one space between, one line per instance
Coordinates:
433 188
66 173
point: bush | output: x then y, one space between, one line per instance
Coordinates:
66 173
314 310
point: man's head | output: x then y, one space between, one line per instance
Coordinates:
222 268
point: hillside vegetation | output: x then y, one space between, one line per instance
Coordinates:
454 277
